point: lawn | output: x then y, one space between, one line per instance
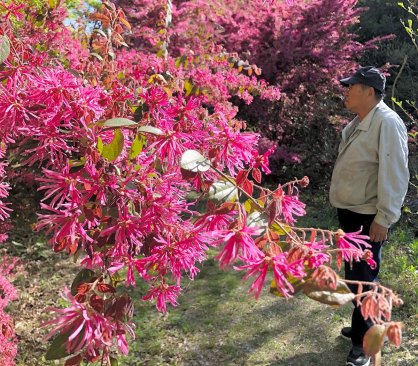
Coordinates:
216 322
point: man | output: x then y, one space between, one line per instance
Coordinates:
369 182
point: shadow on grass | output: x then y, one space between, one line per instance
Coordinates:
217 323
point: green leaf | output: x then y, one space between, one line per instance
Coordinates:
85 275
150 129
4 48
223 191
113 362
188 87
119 122
250 206
57 348
137 146
336 298
281 230
194 161
112 151
99 145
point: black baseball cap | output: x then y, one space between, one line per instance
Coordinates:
367 75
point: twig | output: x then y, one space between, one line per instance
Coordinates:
396 80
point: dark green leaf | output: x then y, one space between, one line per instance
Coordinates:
57 348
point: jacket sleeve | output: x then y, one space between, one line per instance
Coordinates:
393 171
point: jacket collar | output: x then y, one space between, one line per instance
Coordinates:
364 125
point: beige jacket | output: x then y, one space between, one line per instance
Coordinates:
371 172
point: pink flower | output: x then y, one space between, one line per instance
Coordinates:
163 293
281 271
262 160
256 267
88 329
237 241
288 206
352 244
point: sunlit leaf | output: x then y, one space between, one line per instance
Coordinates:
281 229
295 282
100 58
119 122
188 87
4 48
222 191
340 296
257 218
194 161
99 145
150 129
137 146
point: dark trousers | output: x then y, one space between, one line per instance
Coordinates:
361 271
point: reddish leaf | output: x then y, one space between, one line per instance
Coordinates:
394 334
248 186
188 174
241 177
74 361
105 288
97 303
225 208
256 175
83 288
80 298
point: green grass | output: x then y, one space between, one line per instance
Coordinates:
217 323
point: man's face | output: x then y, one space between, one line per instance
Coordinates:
355 97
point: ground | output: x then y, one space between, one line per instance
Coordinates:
217 323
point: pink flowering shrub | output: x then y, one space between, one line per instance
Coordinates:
120 142
300 47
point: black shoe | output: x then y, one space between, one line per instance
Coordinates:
346 333
356 357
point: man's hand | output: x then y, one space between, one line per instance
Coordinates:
378 232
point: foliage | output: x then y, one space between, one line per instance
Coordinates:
118 141
384 17
302 47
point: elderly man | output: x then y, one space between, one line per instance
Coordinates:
369 182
